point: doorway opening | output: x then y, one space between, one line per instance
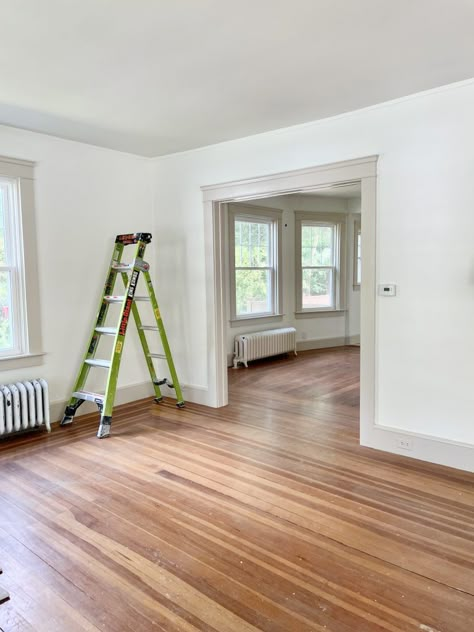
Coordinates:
292 277
309 185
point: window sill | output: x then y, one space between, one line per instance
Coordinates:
255 320
320 313
20 361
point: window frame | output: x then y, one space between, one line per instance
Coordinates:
18 175
338 221
273 217
357 231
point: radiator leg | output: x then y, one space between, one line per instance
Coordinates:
246 364
104 427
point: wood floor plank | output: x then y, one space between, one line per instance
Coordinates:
264 515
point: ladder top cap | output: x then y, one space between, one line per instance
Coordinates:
133 238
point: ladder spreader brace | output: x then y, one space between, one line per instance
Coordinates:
130 274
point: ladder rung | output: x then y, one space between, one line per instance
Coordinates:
163 382
107 331
89 396
120 299
157 355
121 267
104 364
148 328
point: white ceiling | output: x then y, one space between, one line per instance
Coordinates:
158 76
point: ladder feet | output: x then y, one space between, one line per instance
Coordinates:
68 416
104 428
180 405
158 400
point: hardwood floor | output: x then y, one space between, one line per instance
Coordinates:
264 515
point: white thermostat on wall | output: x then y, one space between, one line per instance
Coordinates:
387 289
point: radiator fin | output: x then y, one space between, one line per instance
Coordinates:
24 405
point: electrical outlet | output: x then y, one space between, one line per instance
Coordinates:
405 443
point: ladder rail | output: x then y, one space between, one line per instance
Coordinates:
75 402
119 341
164 338
145 347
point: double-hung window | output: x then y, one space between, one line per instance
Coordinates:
19 311
255 255
319 262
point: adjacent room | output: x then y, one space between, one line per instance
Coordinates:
236 316
293 278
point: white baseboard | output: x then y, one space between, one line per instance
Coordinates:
191 393
320 343
131 393
424 447
353 340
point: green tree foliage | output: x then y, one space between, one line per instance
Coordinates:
252 250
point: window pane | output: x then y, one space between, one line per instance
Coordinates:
252 244
317 288
317 245
6 338
3 204
253 292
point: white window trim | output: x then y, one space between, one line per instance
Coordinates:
338 220
26 317
357 230
256 213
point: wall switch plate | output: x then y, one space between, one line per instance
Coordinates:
387 289
404 443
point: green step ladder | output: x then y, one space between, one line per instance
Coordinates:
130 273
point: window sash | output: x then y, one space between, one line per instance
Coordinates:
332 287
337 221
266 222
306 224
272 218
14 267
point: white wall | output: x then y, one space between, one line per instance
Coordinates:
425 236
324 329
84 197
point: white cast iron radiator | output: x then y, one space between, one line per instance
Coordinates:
24 405
263 344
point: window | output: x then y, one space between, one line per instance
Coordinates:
11 272
357 254
255 237
19 326
320 262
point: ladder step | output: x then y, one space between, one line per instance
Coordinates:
121 267
148 328
107 331
89 396
120 299
104 364
157 355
